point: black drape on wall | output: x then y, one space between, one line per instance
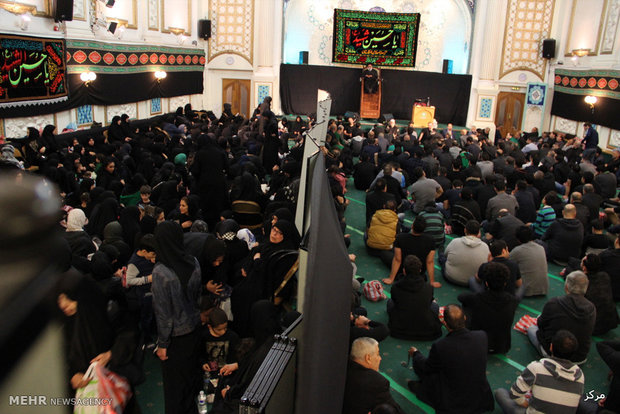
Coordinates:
606 111
448 93
114 89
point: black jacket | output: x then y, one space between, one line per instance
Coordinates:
365 389
599 293
412 317
572 312
492 312
454 374
564 238
610 353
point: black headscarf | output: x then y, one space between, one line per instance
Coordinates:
88 333
48 139
115 131
227 229
101 266
170 252
291 235
125 126
33 135
130 221
104 213
290 240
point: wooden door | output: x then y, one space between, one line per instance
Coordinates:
509 113
237 92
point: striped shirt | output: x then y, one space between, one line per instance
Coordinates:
556 386
544 218
435 226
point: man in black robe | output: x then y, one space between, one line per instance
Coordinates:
370 77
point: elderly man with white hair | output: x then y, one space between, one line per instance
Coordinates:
366 388
572 312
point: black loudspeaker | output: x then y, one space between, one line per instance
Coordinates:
204 29
112 27
548 51
447 66
63 10
385 118
303 57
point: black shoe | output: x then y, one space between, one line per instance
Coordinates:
414 386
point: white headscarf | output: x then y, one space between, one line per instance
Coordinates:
76 220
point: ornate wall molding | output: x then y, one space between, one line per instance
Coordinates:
130 109
153 14
177 101
41 8
565 125
533 117
79 10
527 23
612 21
232 28
614 139
16 127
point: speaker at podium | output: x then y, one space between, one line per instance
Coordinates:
422 115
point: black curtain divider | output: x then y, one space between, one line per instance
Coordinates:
574 107
322 365
114 89
448 93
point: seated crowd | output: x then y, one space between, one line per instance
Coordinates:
512 205
183 224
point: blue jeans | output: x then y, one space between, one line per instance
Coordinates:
507 404
531 334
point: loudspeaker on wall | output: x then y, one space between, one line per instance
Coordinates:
63 10
548 51
204 29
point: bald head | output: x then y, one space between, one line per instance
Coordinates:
575 197
569 211
454 317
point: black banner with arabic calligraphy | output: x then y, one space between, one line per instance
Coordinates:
32 71
383 39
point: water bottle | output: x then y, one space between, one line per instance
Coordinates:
202 403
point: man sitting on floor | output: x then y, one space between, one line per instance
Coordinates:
464 255
453 377
418 244
411 309
532 262
492 310
550 385
514 285
572 312
365 387
563 239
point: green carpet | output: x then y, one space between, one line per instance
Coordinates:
502 370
